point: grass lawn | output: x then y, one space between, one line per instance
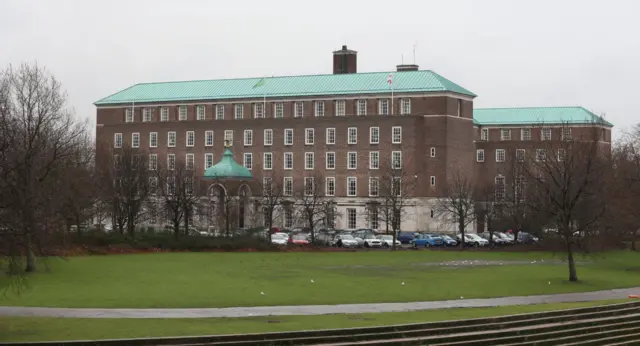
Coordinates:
49 329
191 280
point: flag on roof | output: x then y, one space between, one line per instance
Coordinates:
259 84
390 79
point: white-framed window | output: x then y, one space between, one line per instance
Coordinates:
374 219
268 137
171 161
208 160
340 108
228 136
267 187
396 135
374 135
525 134
352 135
545 134
433 151
330 160
484 134
117 140
248 137
362 107
405 105
146 115
319 108
171 139
352 160
191 138
153 188
374 187
374 160
153 162
432 180
309 159
459 109
208 138
396 159
287 187
505 134
219 112
331 135
190 160
396 186
330 186
288 160
278 110
128 115
352 186
309 186
351 218
153 139
480 155
164 114
267 161
239 110
566 133
288 217
182 113
309 136
288 136
135 140
500 155
500 188
201 112
541 155
171 185
561 155
247 160
520 154
298 109
383 107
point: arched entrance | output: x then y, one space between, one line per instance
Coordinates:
244 195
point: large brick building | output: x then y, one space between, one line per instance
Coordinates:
340 128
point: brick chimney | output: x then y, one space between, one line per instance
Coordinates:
345 61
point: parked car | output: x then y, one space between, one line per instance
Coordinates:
527 238
387 240
298 239
406 237
325 236
345 240
282 234
427 240
508 239
367 238
279 239
448 241
496 239
473 240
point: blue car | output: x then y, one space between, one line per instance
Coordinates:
406 237
448 241
427 240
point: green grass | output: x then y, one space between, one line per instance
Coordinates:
192 280
50 329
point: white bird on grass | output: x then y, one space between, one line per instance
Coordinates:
403 283
261 293
549 282
461 297
313 282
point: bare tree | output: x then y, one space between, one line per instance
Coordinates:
311 202
489 205
457 206
565 184
125 180
177 187
390 194
44 133
271 202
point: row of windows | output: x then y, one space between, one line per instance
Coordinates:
541 155
309 137
525 134
259 110
267 160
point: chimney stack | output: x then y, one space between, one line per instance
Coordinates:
407 67
345 61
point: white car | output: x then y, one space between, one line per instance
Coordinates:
477 239
345 240
387 240
282 234
278 239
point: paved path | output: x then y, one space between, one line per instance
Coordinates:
315 309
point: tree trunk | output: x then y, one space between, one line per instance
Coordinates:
31 256
461 230
573 276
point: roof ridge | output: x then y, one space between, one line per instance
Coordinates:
530 107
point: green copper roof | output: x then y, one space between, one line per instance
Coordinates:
227 168
536 115
313 85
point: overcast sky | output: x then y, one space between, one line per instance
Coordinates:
510 53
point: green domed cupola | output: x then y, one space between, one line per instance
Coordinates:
227 168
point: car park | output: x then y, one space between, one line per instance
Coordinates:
387 240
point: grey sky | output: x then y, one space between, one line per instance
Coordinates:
510 53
